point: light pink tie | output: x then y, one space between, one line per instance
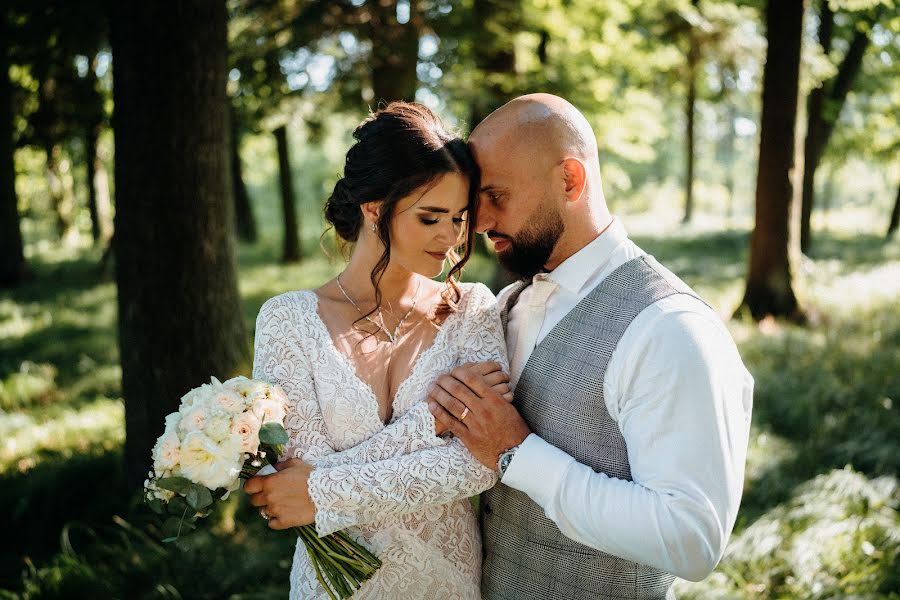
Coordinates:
531 320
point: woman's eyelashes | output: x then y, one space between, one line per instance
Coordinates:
459 220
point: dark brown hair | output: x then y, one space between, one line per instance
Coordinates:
399 149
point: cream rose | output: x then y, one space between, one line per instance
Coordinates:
208 463
246 425
167 452
218 427
269 410
228 400
194 420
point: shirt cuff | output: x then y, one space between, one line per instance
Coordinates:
537 468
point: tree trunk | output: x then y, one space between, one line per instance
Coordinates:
291 251
62 197
90 157
179 309
395 52
693 59
895 216
243 212
494 55
824 107
13 268
769 288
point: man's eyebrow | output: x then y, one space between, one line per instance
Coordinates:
490 188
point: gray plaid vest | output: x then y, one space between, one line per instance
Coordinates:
560 395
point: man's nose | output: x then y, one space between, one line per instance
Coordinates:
484 220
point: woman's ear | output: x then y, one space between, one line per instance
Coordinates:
371 211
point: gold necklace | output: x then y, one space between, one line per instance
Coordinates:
392 338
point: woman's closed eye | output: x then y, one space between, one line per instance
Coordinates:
435 221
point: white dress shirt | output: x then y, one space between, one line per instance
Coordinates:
682 398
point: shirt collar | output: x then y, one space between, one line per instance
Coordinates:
573 273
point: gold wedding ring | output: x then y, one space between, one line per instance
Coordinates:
465 414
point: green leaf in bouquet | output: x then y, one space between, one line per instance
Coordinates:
155 505
198 497
177 506
171 528
273 434
179 485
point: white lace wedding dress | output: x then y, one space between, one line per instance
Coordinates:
397 488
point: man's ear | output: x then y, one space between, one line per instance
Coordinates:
371 211
575 176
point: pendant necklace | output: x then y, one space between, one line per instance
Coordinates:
380 326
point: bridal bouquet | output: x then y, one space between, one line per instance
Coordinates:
224 433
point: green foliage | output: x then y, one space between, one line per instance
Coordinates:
273 434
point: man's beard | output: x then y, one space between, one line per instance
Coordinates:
530 249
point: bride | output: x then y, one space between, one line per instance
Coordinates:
356 357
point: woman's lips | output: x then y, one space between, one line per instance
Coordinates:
438 255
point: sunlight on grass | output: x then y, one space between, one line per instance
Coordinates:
96 425
837 536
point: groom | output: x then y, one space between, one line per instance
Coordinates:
622 454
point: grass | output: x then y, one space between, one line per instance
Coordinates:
819 517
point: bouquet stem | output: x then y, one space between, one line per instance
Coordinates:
341 564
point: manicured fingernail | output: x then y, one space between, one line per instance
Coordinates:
432 405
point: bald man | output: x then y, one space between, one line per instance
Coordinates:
622 454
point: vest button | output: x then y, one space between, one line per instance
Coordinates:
487 509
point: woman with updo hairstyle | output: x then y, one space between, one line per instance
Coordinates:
358 355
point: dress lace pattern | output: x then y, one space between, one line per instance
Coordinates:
396 488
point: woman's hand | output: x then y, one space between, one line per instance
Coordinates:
494 377
283 498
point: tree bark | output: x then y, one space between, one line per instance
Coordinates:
62 196
243 211
693 59
90 157
291 251
895 216
769 288
824 107
13 268
179 308
494 55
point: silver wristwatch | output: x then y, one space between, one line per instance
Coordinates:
505 458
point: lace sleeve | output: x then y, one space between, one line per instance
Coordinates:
347 495
483 339
410 432
278 359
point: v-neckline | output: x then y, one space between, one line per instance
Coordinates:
351 368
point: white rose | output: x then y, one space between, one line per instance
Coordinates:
172 421
218 427
195 419
248 388
246 425
189 399
228 400
211 464
269 410
278 394
167 452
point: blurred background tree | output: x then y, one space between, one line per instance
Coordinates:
200 170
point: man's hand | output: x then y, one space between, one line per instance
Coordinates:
284 496
489 423
494 377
